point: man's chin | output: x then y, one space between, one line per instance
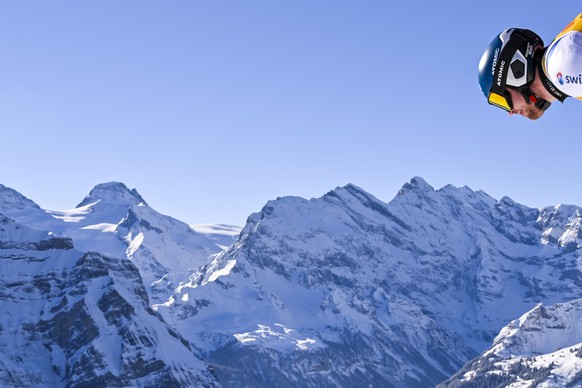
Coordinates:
534 113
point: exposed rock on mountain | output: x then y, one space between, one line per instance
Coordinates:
342 290
81 319
407 291
542 348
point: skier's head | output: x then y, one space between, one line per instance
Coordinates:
509 73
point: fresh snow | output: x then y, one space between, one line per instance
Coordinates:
341 290
117 222
546 339
216 229
277 337
223 271
440 271
542 330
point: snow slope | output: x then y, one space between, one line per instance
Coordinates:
407 291
343 290
70 318
116 221
542 348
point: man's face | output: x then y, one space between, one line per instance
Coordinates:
521 107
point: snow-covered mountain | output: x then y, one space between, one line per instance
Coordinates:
81 319
348 290
116 221
74 302
542 348
342 290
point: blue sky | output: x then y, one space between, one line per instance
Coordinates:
211 108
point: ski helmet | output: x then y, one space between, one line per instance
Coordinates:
510 61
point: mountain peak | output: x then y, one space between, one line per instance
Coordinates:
113 192
416 185
11 200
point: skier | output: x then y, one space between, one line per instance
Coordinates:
518 74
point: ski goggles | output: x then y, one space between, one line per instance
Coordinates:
501 101
504 101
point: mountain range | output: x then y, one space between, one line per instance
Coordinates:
448 286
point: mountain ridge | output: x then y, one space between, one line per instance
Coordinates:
341 290
309 245
541 348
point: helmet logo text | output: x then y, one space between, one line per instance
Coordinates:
570 79
500 74
494 63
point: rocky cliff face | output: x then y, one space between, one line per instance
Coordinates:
117 222
347 289
343 290
541 348
81 319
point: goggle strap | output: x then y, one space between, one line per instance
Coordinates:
512 46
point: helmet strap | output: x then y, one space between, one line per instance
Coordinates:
531 98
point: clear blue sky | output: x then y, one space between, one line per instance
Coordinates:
211 108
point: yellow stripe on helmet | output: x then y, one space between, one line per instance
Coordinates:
499 100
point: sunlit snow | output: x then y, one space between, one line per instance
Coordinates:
72 215
104 227
218 229
276 336
223 271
